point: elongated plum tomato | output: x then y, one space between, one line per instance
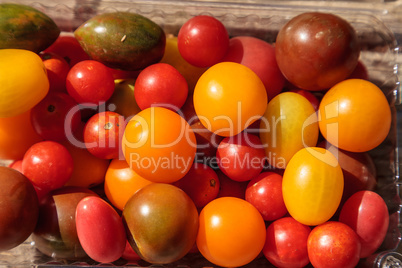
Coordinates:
228 98
367 214
316 50
161 223
232 232
312 185
159 145
103 240
22 74
352 122
288 125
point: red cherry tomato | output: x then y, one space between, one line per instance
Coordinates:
51 117
103 133
367 214
286 243
160 84
200 183
333 245
90 82
68 47
203 41
100 230
259 56
129 254
241 157
57 69
48 165
309 96
265 193
229 187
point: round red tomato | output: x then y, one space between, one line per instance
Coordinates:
265 193
203 41
90 82
57 69
162 85
333 245
231 232
200 183
286 243
103 133
51 117
317 50
367 214
48 165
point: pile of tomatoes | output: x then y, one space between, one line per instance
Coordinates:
230 147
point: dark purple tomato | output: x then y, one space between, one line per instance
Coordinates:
90 82
286 243
100 229
103 133
18 208
265 193
56 234
55 116
367 214
316 50
161 223
162 85
203 41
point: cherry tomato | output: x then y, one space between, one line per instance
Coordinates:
241 157
221 101
68 47
48 165
123 101
159 145
231 233
259 56
51 117
288 125
265 193
103 240
200 183
312 186
203 41
360 72
90 82
129 254
103 133
121 182
316 50
309 96
367 214
229 187
332 245
57 69
16 136
162 85
286 243
352 122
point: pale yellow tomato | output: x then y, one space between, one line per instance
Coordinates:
288 125
23 81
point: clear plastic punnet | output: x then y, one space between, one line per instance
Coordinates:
379 28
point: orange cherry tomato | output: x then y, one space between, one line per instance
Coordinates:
312 185
121 182
16 136
355 115
228 98
231 232
159 145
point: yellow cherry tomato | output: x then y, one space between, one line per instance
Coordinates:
228 98
23 81
312 185
159 145
121 182
288 125
355 115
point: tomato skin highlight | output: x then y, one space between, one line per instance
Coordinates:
312 186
